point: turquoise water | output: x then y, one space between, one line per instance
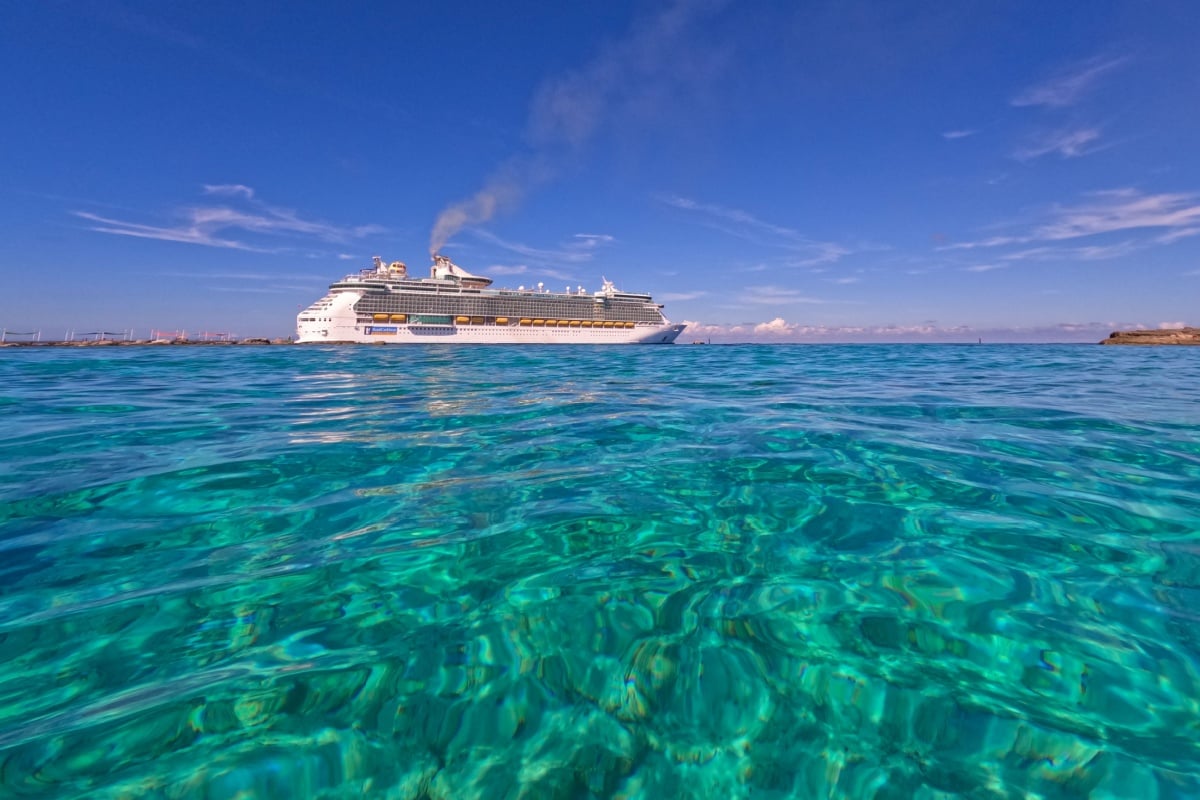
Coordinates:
719 572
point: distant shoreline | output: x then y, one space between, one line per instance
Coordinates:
147 343
1174 336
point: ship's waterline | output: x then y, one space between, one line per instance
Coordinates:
384 305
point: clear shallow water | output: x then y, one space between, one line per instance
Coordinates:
762 572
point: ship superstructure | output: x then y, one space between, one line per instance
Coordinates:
384 304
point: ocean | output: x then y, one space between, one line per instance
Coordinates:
896 571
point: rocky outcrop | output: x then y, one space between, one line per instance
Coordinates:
1173 336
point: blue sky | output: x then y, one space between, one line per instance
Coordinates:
834 171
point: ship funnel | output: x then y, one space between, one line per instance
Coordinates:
445 269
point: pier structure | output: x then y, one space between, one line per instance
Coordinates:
101 336
5 333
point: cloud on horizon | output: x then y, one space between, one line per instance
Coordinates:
779 330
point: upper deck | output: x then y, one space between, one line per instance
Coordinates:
448 278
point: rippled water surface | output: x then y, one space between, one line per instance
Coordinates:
488 572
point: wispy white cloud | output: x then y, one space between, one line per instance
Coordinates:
1176 235
984 267
1122 209
279 289
991 241
244 276
849 279
1085 253
229 190
679 297
534 272
1103 212
210 225
959 134
593 240
579 248
732 215
1171 326
771 295
1065 143
822 253
748 227
1068 86
507 269
189 234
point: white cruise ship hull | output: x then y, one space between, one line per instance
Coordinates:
384 306
485 334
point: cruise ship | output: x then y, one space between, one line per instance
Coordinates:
383 304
